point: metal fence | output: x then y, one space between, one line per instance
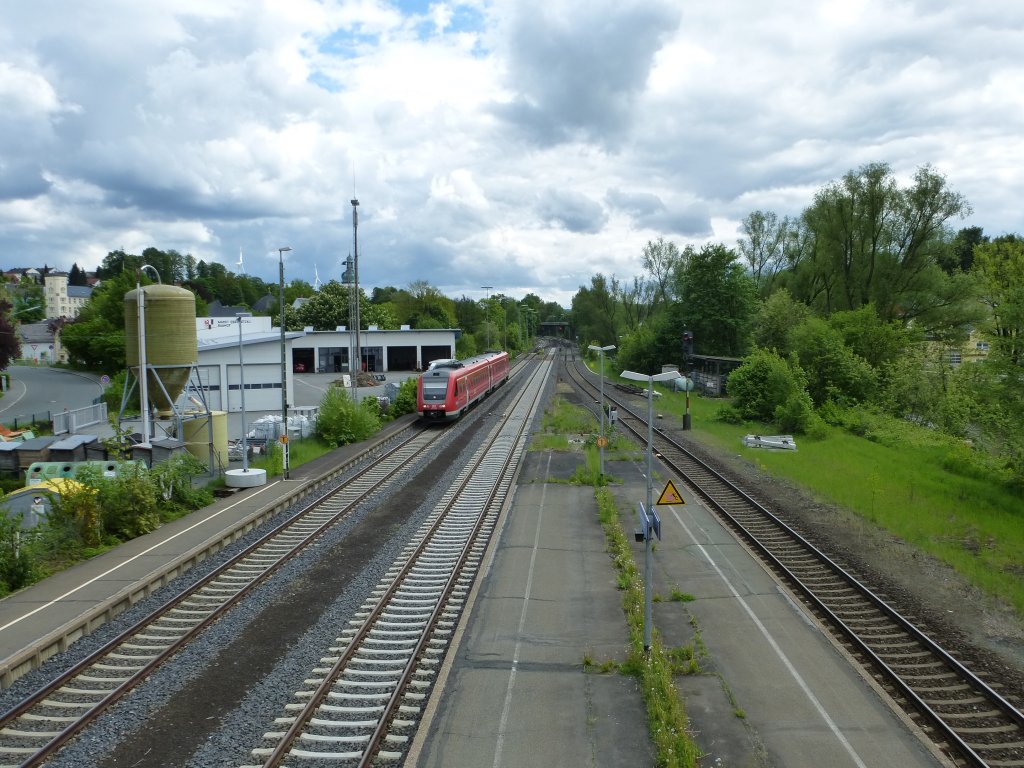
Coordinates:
70 421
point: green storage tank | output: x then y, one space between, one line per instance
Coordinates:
170 339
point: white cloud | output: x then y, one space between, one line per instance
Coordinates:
515 143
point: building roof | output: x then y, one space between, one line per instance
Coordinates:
35 333
265 304
216 309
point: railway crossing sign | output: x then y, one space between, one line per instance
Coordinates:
670 495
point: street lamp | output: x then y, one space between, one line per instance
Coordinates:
649 510
284 372
241 389
143 366
602 441
245 478
487 304
356 356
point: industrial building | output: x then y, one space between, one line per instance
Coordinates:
306 352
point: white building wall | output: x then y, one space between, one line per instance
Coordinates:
261 354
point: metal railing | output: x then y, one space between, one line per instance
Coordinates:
69 421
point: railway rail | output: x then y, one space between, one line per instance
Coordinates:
365 701
58 711
966 717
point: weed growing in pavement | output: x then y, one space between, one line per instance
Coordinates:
683 659
604 668
666 717
545 441
590 472
681 597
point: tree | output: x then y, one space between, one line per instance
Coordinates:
116 263
870 242
960 255
1000 266
77 276
29 303
637 303
340 421
10 344
662 260
327 308
763 247
778 315
427 307
594 311
871 338
716 301
834 372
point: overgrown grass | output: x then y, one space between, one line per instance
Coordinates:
666 717
565 418
915 483
300 452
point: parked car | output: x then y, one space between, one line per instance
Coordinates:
299 368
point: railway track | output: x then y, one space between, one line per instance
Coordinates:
365 700
966 717
60 710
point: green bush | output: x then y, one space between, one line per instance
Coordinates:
833 370
764 383
405 401
797 414
128 504
341 421
729 415
15 563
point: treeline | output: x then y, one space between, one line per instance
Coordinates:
869 302
96 338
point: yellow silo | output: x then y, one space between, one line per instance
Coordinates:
170 339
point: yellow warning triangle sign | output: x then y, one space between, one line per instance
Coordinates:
670 495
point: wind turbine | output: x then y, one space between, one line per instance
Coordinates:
316 278
241 263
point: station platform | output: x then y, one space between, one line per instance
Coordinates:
47 617
772 688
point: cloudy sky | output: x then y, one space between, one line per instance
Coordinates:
520 144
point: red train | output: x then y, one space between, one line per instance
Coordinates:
447 389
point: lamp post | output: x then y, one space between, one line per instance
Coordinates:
143 365
649 509
487 304
241 388
601 442
244 478
357 352
284 372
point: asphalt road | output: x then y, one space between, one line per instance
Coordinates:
38 391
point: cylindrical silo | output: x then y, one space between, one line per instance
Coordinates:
170 339
197 437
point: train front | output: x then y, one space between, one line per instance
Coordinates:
432 393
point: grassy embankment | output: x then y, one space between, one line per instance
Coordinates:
904 478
